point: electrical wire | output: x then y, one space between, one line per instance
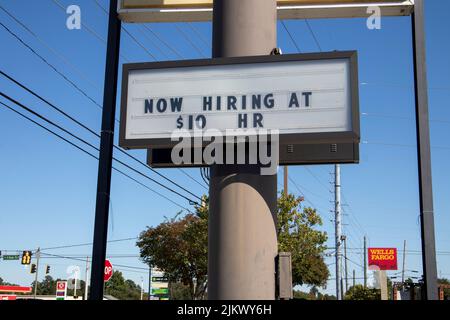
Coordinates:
313 35
85 142
290 36
51 66
59 110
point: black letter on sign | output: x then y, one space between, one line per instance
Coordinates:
269 102
257 120
176 104
148 106
256 101
207 103
293 101
242 120
307 99
161 105
232 103
201 121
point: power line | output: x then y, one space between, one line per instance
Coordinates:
85 142
290 36
401 145
88 244
83 260
163 41
50 65
299 190
92 131
89 29
128 33
71 118
399 117
189 41
313 35
199 35
62 57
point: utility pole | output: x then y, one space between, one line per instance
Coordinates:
86 284
337 222
404 259
242 239
286 176
365 262
149 282
38 256
106 153
142 288
344 239
354 278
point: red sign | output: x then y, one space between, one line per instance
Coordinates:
15 289
61 285
108 270
383 258
7 297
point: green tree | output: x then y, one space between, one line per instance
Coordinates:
297 234
122 289
179 248
46 287
446 290
359 292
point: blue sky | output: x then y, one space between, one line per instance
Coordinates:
48 188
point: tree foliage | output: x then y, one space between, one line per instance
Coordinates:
122 289
359 292
297 234
179 247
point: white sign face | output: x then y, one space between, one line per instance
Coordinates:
292 96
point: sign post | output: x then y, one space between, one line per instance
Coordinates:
61 290
106 153
424 153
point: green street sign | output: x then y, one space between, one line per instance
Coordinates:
160 291
11 257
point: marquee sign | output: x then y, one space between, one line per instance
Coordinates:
309 98
201 10
383 258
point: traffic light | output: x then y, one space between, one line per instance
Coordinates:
33 268
26 257
47 270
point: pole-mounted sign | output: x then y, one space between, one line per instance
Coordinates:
308 98
108 271
382 258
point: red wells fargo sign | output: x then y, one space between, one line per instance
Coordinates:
383 258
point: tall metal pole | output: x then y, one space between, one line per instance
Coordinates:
365 262
242 239
86 282
106 152
345 258
337 222
149 282
38 256
404 259
424 153
354 278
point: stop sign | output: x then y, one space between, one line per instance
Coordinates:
108 270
